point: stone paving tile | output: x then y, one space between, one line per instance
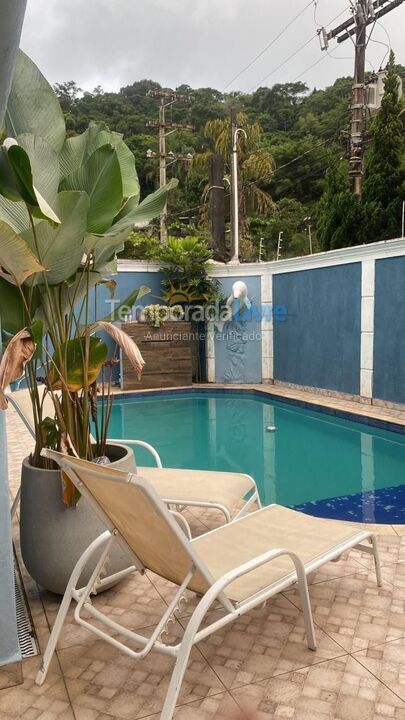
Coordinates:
387 663
134 603
341 689
391 550
215 707
100 677
355 612
30 702
265 642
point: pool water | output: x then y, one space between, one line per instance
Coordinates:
322 464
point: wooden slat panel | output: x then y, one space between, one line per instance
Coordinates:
167 352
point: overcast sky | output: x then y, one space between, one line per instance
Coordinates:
199 42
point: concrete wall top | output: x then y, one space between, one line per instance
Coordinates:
373 251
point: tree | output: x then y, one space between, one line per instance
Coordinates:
67 93
384 180
340 218
256 164
287 217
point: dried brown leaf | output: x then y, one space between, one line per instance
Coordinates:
18 352
127 345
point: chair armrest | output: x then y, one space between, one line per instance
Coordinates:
143 444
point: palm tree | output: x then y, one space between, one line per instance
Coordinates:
256 164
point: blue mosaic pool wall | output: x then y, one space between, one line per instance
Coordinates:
9 647
319 344
389 330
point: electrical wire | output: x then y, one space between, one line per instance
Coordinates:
379 42
290 57
268 46
267 177
296 52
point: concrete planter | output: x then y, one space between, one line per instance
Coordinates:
53 536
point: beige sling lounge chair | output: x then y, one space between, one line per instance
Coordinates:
239 565
222 491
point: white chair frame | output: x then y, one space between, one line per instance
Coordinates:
193 634
179 504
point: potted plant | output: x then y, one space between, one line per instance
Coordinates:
186 262
66 207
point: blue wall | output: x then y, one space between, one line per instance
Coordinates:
127 282
319 344
389 329
9 647
238 349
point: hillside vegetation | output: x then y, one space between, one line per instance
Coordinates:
303 131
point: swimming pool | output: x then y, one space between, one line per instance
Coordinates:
323 464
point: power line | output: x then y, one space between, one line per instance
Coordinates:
267 177
310 67
290 57
269 45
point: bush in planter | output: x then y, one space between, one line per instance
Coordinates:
186 262
66 207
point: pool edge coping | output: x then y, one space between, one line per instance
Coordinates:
322 404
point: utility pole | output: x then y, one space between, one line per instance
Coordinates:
234 188
167 99
364 13
217 204
235 132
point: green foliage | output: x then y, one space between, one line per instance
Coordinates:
66 207
293 126
141 246
340 214
289 218
384 181
185 262
345 221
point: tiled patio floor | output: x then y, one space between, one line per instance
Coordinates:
256 669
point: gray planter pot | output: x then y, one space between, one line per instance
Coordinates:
53 537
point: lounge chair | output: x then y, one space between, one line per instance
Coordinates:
240 565
181 488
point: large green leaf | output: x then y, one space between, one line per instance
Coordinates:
22 170
128 302
7 179
44 165
100 177
33 106
14 214
147 210
61 248
12 318
72 373
126 159
16 256
78 149
105 247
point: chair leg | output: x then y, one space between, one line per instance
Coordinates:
176 681
306 609
103 539
184 654
56 631
377 562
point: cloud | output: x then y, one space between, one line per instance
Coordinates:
198 42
